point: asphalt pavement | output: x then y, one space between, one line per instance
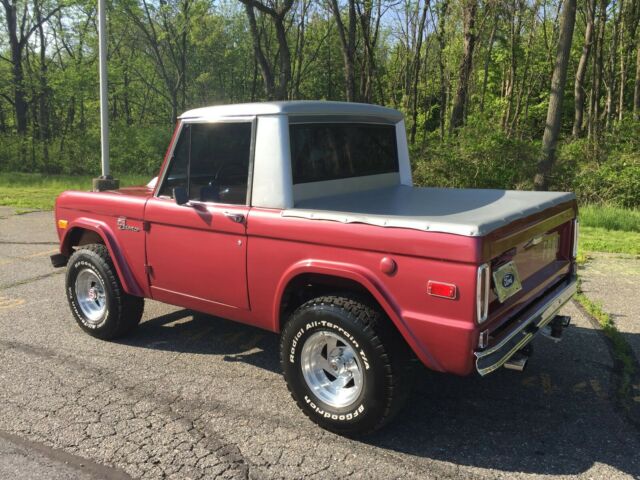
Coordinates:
193 396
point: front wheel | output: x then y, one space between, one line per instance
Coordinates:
344 364
99 303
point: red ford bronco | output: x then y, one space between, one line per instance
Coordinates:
301 218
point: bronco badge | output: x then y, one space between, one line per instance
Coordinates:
122 225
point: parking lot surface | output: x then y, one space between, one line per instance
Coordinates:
193 396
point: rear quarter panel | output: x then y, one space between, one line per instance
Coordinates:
441 331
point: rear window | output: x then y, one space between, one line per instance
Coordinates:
329 151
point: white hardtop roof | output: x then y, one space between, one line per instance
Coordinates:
299 107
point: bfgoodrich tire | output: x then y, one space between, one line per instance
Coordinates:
345 364
99 304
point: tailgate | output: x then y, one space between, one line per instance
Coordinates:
527 258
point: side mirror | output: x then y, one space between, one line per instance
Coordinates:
180 195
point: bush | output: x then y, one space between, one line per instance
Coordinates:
604 172
479 156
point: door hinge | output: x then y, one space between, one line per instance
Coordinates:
148 269
146 226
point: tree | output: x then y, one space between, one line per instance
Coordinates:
165 31
457 115
416 70
369 15
20 27
636 90
277 14
347 36
554 112
442 15
579 91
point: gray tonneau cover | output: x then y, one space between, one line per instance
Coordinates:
470 212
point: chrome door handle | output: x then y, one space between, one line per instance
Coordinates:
235 217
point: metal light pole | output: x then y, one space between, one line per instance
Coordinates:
105 181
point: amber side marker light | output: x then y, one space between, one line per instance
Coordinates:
441 289
62 223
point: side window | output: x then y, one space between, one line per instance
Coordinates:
330 151
177 173
217 167
220 162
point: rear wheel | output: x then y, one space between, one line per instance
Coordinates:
99 304
345 364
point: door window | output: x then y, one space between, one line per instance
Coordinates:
217 165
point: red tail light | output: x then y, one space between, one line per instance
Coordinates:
441 289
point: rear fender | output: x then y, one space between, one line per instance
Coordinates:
105 233
369 282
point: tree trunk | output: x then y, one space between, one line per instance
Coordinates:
487 59
369 39
441 66
348 43
594 109
265 68
282 91
554 113
514 44
457 115
43 94
623 76
611 84
16 46
636 90
579 92
416 73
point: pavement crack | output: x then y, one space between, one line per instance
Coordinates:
26 281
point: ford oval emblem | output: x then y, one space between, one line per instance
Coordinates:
508 280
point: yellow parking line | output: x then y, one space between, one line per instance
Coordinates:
40 254
7 303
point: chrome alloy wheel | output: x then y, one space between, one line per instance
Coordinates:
91 296
332 369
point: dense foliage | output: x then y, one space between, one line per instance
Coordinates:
472 77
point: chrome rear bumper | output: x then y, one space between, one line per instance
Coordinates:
524 328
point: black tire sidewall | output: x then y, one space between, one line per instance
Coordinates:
370 405
85 259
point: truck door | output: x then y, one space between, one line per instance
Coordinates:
196 252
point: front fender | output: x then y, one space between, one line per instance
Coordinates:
367 280
104 231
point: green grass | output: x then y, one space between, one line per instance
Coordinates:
610 218
30 191
604 228
594 239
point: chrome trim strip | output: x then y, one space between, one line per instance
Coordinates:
576 232
541 316
482 304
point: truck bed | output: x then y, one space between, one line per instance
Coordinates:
469 212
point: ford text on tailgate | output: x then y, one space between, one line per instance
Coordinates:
301 218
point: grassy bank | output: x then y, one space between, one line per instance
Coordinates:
609 229
38 192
